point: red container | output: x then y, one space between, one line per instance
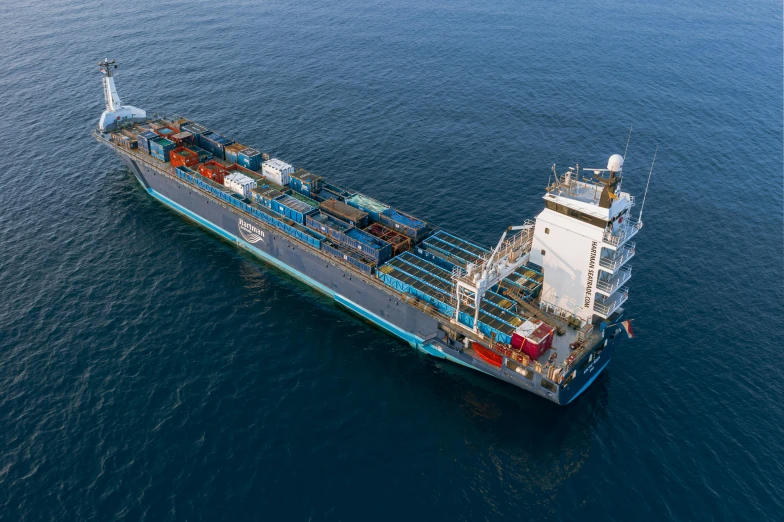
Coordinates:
487 354
182 157
213 170
538 342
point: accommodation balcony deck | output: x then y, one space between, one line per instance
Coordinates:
610 285
619 258
624 233
604 307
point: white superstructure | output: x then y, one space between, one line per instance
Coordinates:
115 111
277 171
239 183
581 241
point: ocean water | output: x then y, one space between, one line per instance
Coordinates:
151 371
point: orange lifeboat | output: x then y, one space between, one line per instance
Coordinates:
487 354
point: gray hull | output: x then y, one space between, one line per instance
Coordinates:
363 295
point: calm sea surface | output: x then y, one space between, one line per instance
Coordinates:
150 371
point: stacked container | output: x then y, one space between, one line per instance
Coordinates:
182 157
276 171
327 225
165 132
345 212
265 196
292 208
239 183
399 242
144 140
371 206
182 139
232 152
197 131
213 170
305 182
349 256
370 246
161 147
250 159
215 143
403 223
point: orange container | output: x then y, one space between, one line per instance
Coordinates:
183 157
213 170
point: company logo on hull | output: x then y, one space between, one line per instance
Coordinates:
250 233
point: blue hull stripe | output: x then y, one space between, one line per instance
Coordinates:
585 386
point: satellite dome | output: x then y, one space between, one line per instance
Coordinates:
615 164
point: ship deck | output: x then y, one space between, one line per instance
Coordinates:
429 278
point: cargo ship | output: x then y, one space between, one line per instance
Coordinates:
539 310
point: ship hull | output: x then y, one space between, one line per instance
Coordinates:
347 288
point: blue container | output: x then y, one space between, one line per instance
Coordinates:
292 208
216 144
250 159
371 246
265 196
403 223
161 147
328 225
347 256
144 140
197 131
371 206
305 182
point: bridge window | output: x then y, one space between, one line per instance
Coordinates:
543 251
546 230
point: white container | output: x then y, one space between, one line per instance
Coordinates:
239 183
277 171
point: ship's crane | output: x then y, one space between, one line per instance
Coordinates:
510 253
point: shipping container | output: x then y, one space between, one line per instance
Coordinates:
239 183
369 245
197 131
178 123
161 147
124 141
400 243
305 182
347 213
166 132
371 206
533 338
232 152
249 158
204 155
216 144
182 139
265 195
341 193
277 171
213 170
415 229
292 208
327 225
183 157
347 255
144 140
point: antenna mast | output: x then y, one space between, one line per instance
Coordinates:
627 143
642 207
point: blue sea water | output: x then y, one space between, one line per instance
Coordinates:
151 371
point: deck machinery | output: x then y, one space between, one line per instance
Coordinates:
558 280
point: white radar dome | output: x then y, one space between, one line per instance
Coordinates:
615 164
